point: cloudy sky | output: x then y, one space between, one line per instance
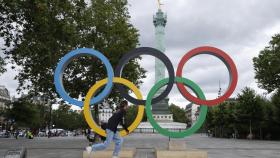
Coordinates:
240 28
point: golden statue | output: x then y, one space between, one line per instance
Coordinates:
159 4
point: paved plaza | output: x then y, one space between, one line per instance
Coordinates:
72 147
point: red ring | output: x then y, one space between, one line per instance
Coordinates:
227 61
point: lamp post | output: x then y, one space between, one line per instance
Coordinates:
47 102
50 114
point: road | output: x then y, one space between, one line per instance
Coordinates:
72 147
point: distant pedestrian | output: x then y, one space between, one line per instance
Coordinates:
49 133
29 135
208 132
17 134
112 133
90 137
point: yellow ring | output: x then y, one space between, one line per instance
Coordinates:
91 92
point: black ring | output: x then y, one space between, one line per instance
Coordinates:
145 51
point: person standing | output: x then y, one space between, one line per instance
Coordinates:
112 132
17 133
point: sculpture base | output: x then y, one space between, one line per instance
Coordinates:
125 153
161 112
146 127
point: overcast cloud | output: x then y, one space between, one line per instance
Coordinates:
240 28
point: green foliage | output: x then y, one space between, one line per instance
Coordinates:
2 64
27 114
68 119
179 114
276 107
41 32
267 65
220 119
132 113
268 127
34 116
248 113
249 110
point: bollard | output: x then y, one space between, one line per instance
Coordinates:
16 153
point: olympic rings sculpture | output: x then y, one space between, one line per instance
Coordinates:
115 77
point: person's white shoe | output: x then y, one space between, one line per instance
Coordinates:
115 157
88 149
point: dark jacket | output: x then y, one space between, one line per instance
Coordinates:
115 120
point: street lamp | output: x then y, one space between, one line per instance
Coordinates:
47 102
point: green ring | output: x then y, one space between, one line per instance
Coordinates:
187 132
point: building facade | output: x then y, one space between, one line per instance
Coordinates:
5 100
4 97
192 112
188 111
105 113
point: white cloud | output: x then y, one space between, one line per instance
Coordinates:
240 28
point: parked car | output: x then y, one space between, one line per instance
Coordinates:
42 134
4 134
69 133
22 134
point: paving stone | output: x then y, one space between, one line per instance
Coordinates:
181 154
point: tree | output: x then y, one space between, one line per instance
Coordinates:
40 33
179 114
249 111
231 123
131 114
266 132
218 120
267 65
27 114
249 115
276 108
66 118
2 63
219 116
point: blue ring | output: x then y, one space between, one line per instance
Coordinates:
63 63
